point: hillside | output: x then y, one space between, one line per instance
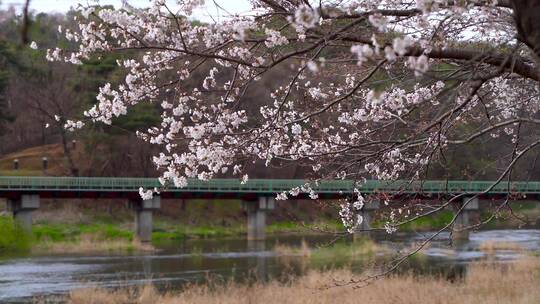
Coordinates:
31 161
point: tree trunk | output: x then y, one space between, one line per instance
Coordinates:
25 23
527 18
67 153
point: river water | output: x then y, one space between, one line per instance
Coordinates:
198 260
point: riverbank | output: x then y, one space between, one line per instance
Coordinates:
483 283
90 228
109 237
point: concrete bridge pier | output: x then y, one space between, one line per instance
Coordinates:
22 210
143 217
256 216
463 220
362 231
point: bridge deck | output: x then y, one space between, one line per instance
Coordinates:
256 186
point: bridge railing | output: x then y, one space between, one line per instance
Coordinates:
261 185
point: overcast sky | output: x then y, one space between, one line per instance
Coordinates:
233 6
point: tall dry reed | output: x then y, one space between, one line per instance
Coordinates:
485 283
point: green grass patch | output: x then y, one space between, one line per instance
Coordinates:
46 235
284 226
161 236
345 251
200 232
108 231
65 232
524 205
164 231
54 233
73 239
424 223
338 255
437 221
296 227
211 231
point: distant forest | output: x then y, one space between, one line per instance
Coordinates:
37 96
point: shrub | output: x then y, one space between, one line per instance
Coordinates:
13 239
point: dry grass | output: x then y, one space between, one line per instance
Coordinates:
286 250
485 283
492 246
90 243
360 247
30 160
144 295
69 213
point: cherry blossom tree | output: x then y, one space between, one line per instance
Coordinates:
366 88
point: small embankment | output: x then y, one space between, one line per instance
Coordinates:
87 239
89 226
67 239
103 234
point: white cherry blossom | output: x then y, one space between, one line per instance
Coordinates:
349 90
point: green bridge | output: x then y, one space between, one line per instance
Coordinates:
257 186
23 195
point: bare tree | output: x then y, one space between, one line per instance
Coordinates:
43 100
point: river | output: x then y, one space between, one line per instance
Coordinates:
23 278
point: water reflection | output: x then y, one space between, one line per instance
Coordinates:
258 261
199 260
